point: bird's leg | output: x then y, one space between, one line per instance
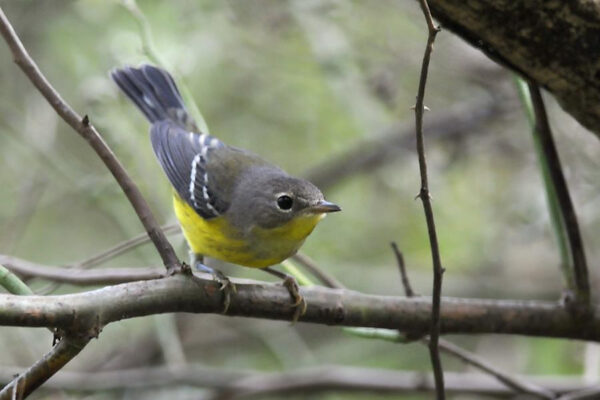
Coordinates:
227 287
290 283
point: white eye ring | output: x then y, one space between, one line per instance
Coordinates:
285 202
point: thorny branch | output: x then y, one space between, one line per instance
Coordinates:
511 381
426 199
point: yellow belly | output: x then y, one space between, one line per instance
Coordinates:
256 247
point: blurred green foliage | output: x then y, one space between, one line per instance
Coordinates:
298 83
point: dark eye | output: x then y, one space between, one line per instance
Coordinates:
285 202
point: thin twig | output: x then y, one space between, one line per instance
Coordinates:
91 135
372 379
426 199
348 379
105 276
452 125
516 383
11 282
568 214
63 352
121 248
511 381
592 393
317 272
554 211
408 291
150 51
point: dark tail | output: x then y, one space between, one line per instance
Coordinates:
154 92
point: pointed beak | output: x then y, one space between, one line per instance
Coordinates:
324 207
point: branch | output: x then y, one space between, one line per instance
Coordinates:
408 290
122 247
104 276
318 380
317 272
271 301
554 211
11 282
63 352
582 394
466 356
87 131
366 155
324 378
551 43
561 188
513 382
434 332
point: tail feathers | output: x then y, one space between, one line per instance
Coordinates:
154 92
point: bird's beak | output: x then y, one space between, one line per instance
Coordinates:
324 207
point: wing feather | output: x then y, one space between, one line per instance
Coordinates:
184 156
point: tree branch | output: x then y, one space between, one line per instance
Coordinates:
552 43
104 276
87 131
63 352
567 210
426 199
271 301
450 125
515 383
324 378
319 380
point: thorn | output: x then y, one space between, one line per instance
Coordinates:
85 120
414 107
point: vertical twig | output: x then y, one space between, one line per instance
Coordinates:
434 333
83 127
408 291
567 210
556 220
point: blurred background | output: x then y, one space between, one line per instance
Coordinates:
324 89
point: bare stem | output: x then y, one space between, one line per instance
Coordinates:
104 276
87 131
426 199
408 291
63 352
567 210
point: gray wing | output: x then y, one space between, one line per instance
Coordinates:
185 158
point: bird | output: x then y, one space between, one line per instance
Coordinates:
231 204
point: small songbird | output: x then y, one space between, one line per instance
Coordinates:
231 204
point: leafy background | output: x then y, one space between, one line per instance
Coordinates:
299 83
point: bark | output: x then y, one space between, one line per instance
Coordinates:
555 43
90 311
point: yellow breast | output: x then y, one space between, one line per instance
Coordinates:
255 247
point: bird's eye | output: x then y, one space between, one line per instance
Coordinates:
285 202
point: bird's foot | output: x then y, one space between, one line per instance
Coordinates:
226 286
299 304
291 285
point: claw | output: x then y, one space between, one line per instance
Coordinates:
299 303
225 284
